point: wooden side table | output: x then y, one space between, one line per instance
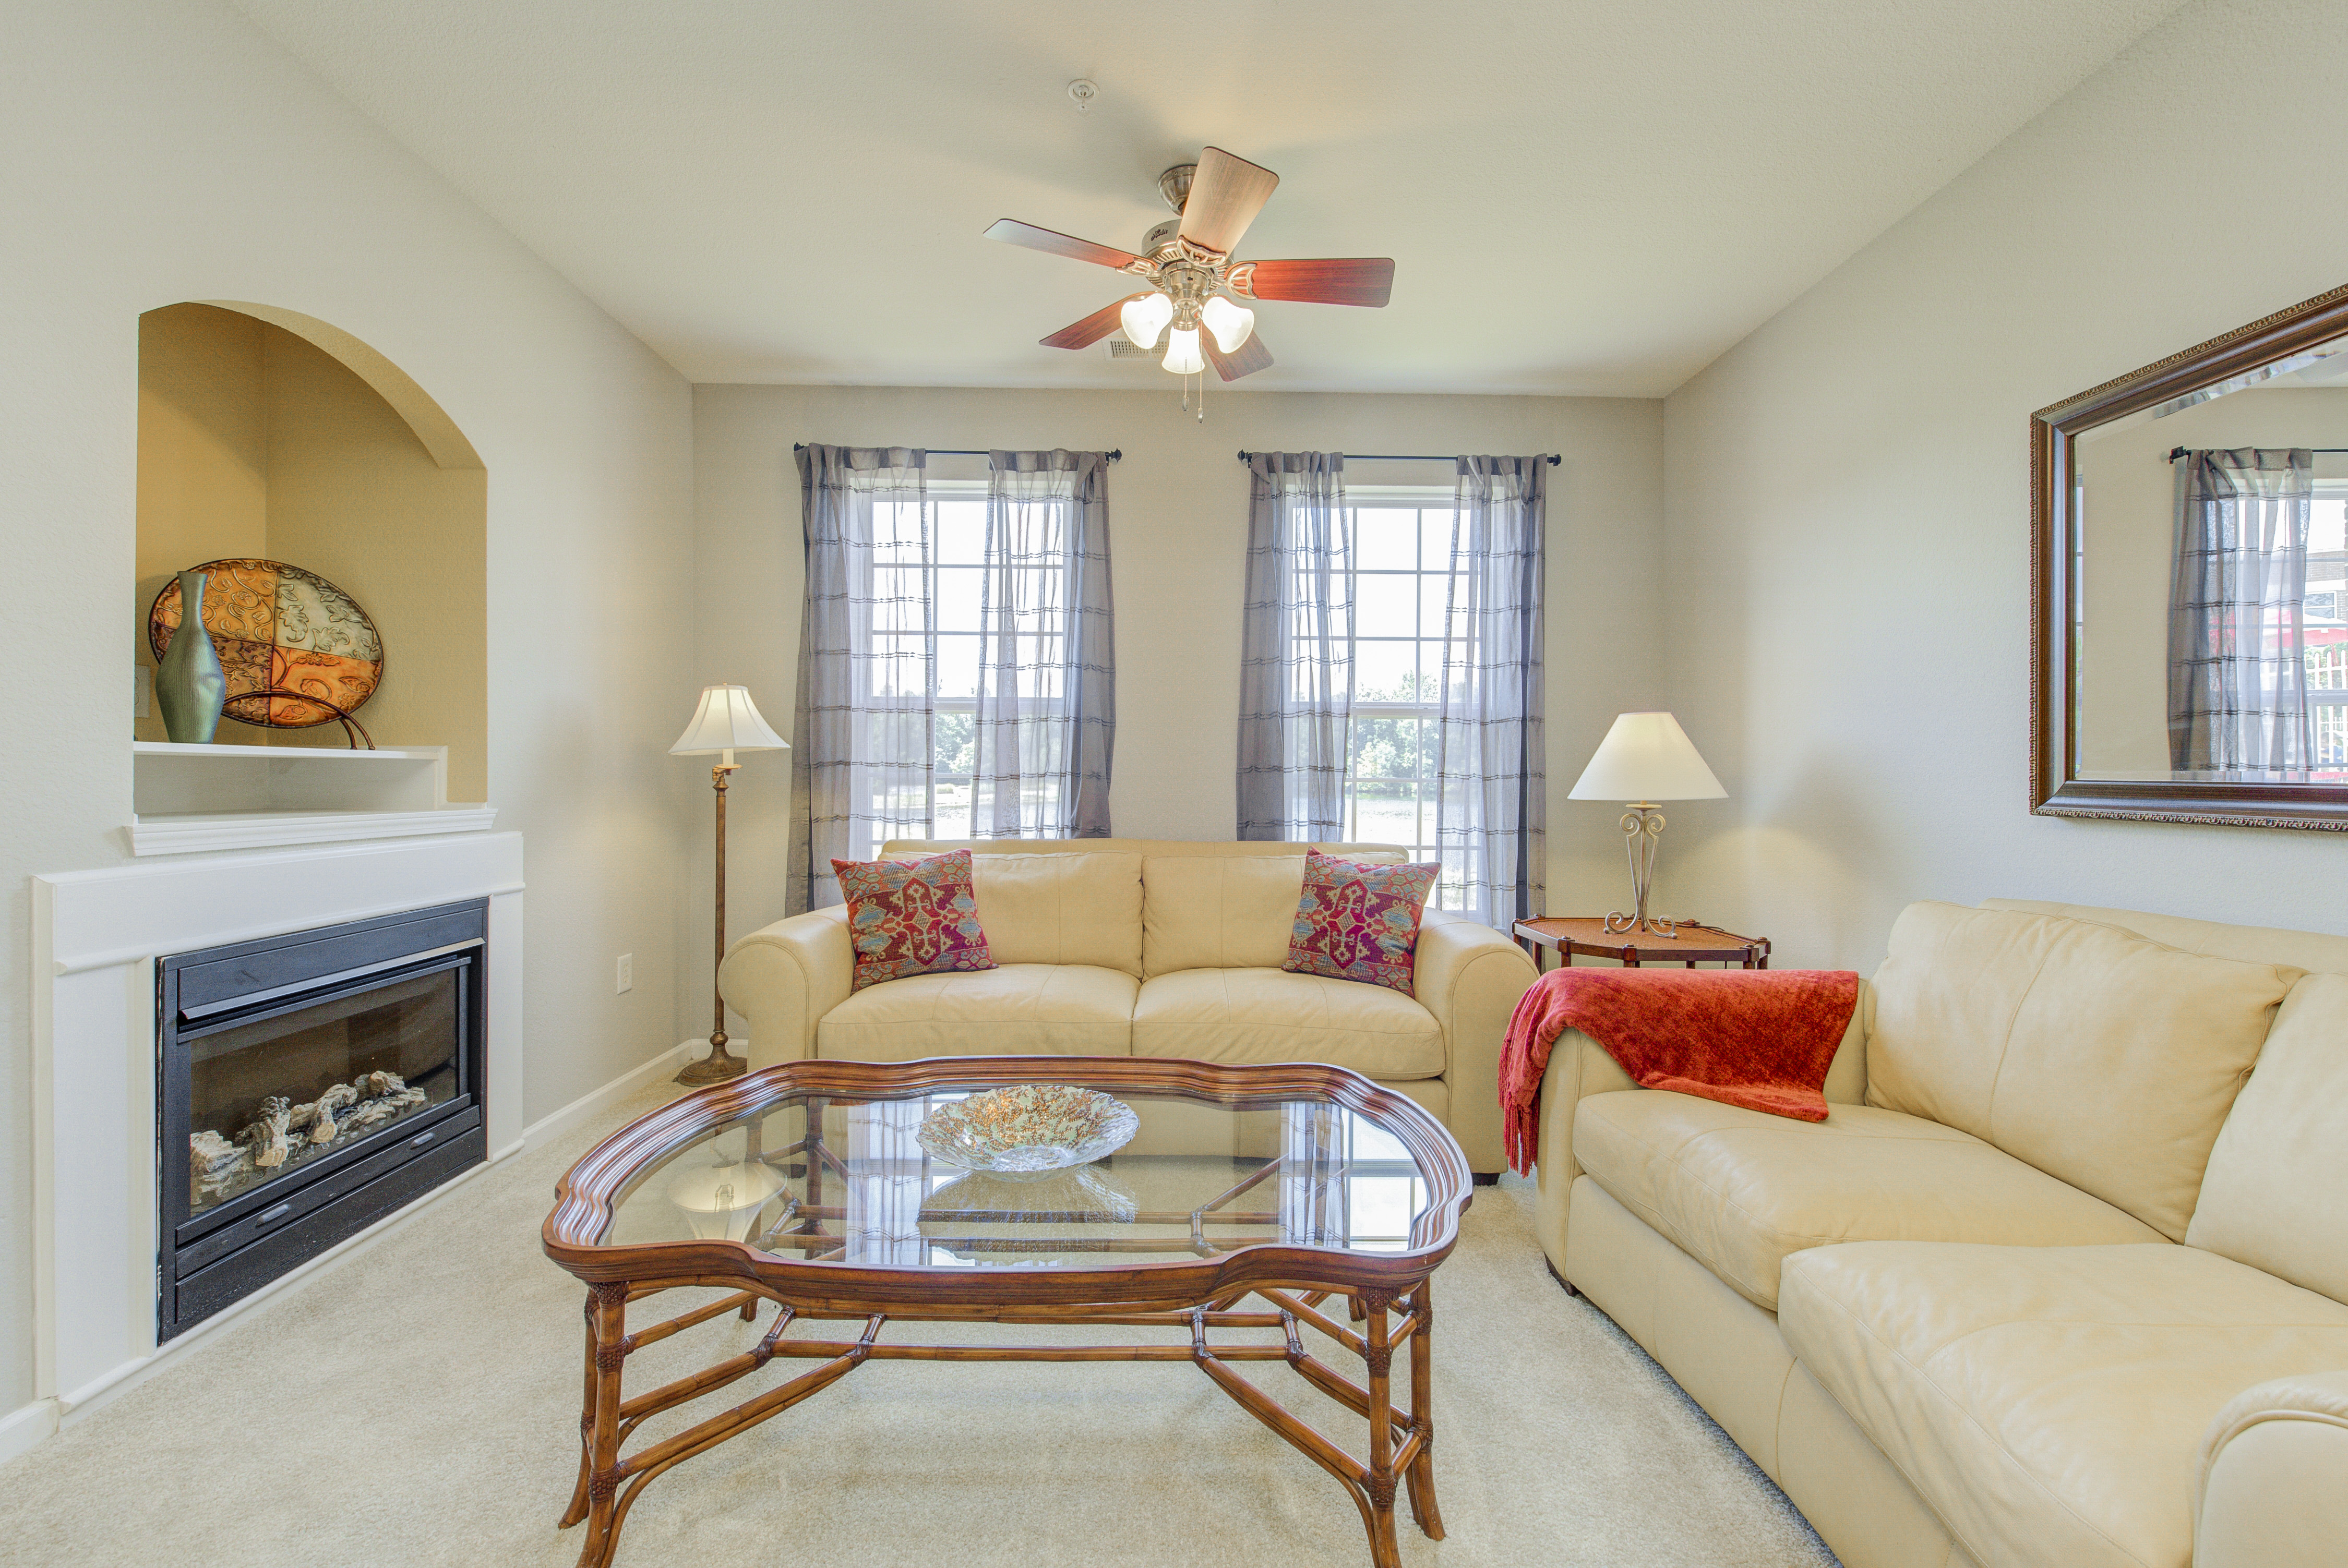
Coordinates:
1692 945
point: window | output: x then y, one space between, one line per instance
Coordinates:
977 643
1403 588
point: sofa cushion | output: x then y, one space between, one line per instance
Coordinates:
1356 920
2276 1194
1218 912
1739 1190
912 917
1061 908
2049 1402
1076 1010
1270 1015
2101 1056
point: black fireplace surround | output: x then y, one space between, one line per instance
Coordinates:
326 1079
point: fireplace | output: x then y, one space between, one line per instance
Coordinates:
307 1085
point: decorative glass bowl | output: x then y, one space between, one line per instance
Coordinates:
1027 1129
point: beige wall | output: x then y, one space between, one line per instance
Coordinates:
2131 496
164 151
254 442
1847 501
203 456
1177 519
354 497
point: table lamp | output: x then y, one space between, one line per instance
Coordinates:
726 723
1647 758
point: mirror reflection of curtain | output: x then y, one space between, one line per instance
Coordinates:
2236 671
1314 1153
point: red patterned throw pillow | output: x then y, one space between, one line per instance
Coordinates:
1358 921
911 918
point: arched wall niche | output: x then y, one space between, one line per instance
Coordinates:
265 432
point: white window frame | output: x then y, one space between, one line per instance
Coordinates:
1429 502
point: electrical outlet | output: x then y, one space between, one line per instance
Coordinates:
627 973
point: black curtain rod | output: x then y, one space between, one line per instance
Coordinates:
965 451
2176 452
1405 458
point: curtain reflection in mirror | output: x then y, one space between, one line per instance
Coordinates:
2238 708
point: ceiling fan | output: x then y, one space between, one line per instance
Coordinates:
1188 265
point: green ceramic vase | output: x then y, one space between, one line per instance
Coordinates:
190 684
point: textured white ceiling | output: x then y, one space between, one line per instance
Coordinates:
1580 198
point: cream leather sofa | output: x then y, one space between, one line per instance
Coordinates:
2061 1280
1110 946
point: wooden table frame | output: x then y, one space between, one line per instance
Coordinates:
1198 1297
1692 945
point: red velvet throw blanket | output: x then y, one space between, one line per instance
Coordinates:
1762 1039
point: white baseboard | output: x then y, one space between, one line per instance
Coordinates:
25 1429
596 1101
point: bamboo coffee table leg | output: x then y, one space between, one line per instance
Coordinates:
578 1509
1383 1552
1421 1475
607 1313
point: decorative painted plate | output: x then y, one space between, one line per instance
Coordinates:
1029 1127
278 626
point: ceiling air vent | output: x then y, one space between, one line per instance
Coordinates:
1123 347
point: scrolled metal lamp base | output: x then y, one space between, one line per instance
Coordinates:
1642 831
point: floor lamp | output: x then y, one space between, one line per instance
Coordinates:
726 723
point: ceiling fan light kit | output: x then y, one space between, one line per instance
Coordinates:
1188 264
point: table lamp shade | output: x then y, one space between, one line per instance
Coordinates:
1646 756
727 721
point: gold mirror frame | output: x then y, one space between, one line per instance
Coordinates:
2055 790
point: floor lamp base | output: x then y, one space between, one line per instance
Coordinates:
718 1066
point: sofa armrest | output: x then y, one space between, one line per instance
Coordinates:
1470 976
782 978
1580 1067
2272 1489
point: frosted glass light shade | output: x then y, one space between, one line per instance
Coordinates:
1145 318
1646 756
1182 356
726 721
1229 322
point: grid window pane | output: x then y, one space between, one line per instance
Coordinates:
1405 611
1386 538
1385 603
958 598
962 533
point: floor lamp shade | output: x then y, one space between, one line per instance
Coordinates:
726 722
1646 756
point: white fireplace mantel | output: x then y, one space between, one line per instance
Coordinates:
95 935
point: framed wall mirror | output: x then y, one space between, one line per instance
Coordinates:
2189 566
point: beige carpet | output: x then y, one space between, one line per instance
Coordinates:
419 1405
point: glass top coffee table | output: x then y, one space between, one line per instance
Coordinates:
831 1191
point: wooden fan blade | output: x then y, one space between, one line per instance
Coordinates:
1092 329
1012 232
1358 281
1226 193
1245 360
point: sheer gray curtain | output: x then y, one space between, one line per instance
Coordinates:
2237 659
1296 663
860 742
1048 664
1491 783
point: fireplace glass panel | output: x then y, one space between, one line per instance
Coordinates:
268 1096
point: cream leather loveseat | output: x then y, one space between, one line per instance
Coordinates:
1112 947
2061 1278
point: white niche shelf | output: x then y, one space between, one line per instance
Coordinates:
185 799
